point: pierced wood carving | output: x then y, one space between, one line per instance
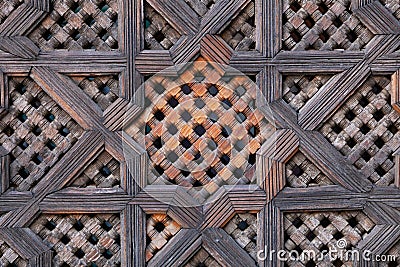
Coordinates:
198 132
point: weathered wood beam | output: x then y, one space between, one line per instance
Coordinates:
133 237
178 250
224 249
85 200
19 46
319 199
378 18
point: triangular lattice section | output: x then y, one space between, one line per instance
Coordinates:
301 172
394 251
240 34
7 7
8 256
299 89
103 89
159 34
243 229
202 258
201 7
103 172
159 230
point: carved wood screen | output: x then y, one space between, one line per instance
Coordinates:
91 159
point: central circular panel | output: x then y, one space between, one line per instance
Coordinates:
200 132
201 129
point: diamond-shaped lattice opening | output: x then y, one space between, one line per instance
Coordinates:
202 258
365 129
9 257
78 25
35 132
103 89
322 25
159 34
240 34
81 240
299 89
103 172
213 132
160 229
301 172
243 229
320 231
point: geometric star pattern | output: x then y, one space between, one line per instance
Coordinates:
328 80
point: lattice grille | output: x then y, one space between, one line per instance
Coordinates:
393 6
7 7
298 90
366 130
79 24
322 25
35 131
321 231
395 251
81 240
159 34
160 229
202 258
201 7
243 229
203 135
301 172
8 257
103 172
102 90
241 32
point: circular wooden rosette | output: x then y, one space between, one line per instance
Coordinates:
201 127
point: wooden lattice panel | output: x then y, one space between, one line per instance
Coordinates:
159 34
81 240
160 229
298 90
79 24
320 232
301 172
243 229
8 257
366 130
103 90
395 251
116 152
104 172
202 258
203 135
7 7
201 7
322 25
35 131
240 34
393 6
